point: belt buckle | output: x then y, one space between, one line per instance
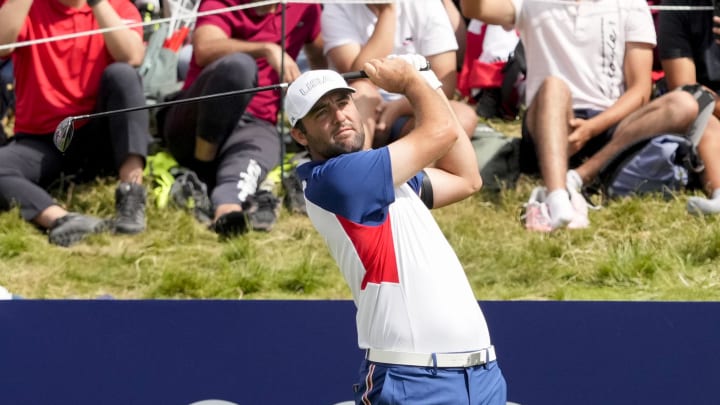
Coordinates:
477 358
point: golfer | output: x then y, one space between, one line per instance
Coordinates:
425 337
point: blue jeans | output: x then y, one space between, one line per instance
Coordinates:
389 384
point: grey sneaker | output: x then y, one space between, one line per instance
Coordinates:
189 192
262 210
130 208
74 227
294 194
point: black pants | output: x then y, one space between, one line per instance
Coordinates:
31 162
249 147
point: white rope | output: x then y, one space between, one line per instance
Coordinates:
656 7
137 24
195 15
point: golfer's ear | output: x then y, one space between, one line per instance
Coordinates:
298 136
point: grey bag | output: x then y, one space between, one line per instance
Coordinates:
663 164
159 67
658 166
498 157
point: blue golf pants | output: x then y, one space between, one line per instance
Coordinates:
390 384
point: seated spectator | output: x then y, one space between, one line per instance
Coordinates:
69 77
588 73
356 33
232 142
690 54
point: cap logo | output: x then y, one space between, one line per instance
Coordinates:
314 83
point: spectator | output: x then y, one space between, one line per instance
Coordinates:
7 97
588 71
355 33
69 77
232 143
426 338
690 55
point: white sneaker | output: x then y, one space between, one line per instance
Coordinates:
536 216
580 206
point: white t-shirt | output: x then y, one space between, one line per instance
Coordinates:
423 27
582 43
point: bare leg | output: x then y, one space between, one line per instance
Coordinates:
466 116
131 171
707 149
548 120
49 215
223 209
671 113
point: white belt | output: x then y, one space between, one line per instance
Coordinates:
441 360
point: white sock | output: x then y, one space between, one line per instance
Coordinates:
704 206
573 181
561 211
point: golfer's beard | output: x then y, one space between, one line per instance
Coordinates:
336 149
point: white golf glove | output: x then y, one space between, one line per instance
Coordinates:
423 66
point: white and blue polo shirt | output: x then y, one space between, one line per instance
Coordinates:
409 287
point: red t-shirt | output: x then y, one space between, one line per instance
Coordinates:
302 26
58 79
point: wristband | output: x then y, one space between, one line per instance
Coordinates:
93 3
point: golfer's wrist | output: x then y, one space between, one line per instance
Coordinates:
93 3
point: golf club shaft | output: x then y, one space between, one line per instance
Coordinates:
347 76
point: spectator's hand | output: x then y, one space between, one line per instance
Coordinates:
716 28
274 58
580 135
387 114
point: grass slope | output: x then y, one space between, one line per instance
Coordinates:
635 249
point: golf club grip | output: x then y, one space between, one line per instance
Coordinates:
360 74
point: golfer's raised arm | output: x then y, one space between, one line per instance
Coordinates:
435 130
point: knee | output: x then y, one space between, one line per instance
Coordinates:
554 87
120 74
466 116
681 108
237 67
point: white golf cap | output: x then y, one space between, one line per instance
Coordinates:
303 93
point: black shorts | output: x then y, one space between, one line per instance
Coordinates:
687 34
528 156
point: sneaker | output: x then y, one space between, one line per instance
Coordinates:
536 216
294 199
189 192
130 208
580 206
262 210
230 224
72 228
